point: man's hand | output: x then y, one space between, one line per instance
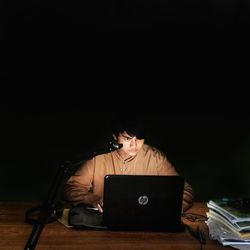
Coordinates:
95 201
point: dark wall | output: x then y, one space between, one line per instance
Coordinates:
53 45
60 41
210 150
58 16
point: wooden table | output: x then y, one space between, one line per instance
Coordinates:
14 233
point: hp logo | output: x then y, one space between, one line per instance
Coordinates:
143 200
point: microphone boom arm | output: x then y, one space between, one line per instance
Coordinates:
49 208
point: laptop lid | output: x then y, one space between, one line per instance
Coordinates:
143 202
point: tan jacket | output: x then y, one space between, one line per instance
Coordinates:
90 176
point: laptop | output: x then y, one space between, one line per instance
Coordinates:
143 202
136 202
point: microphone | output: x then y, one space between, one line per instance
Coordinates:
112 146
115 145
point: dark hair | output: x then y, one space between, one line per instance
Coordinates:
133 127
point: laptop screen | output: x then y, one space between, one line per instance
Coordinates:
143 202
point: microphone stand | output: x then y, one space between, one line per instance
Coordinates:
48 208
50 211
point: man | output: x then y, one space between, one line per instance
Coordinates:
133 158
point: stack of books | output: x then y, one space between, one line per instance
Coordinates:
229 222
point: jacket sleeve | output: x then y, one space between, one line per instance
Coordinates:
188 197
78 187
166 168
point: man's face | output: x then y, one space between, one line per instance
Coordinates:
131 145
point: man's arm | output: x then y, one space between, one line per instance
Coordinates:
188 197
78 188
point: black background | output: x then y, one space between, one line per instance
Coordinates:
212 151
63 41
50 47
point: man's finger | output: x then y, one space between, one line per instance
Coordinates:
99 208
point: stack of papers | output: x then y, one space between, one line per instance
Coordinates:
229 222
